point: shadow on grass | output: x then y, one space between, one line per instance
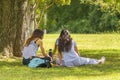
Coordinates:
112 65
10 64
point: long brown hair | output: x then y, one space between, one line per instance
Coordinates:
37 33
64 41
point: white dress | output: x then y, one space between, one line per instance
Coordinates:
71 58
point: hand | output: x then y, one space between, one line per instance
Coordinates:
50 58
61 64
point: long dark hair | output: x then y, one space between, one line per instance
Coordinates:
37 33
64 41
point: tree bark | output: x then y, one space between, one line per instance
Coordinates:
14 26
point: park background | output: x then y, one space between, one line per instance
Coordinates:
93 24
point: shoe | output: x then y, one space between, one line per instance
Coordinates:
102 60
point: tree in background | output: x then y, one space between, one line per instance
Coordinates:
84 16
18 18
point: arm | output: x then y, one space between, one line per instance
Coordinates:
40 44
76 49
60 57
55 47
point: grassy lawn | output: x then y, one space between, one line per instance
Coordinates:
90 45
88 41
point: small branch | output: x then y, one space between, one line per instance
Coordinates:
36 4
49 5
41 14
42 11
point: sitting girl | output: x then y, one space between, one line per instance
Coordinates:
31 47
68 52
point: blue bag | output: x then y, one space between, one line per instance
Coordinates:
39 62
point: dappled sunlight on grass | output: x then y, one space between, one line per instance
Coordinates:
89 45
107 71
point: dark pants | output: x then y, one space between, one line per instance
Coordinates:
27 61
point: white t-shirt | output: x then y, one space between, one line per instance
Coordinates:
30 50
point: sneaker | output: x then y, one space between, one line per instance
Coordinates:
102 60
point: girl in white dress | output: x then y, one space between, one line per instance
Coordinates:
68 53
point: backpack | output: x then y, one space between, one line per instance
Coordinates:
39 62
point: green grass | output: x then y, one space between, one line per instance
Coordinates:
88 41
89 45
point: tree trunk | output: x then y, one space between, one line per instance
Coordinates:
14 26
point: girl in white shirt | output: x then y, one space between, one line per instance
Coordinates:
68 52
31 46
